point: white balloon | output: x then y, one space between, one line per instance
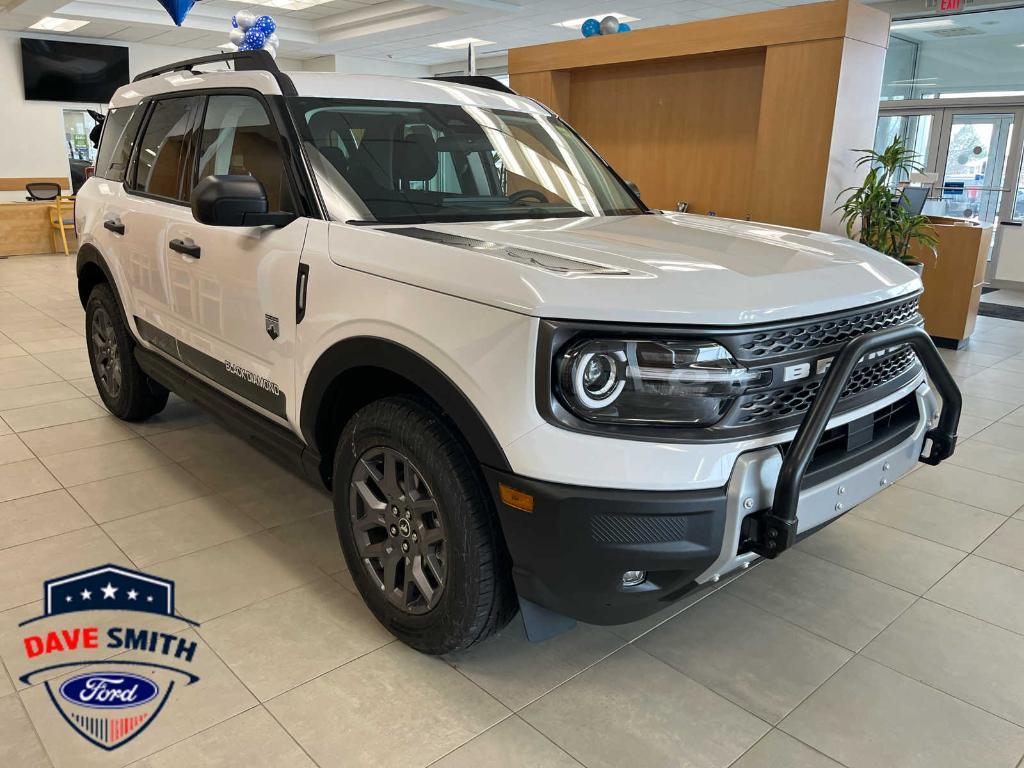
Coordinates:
236 36
229 47
245 19
274 40
271 51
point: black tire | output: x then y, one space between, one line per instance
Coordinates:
476 597
127 392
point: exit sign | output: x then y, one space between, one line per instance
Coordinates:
947 6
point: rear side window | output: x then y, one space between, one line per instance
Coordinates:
119 132
162 165
239 139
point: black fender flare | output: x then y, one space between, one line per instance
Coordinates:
90 255
375 352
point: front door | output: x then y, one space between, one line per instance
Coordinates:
232 289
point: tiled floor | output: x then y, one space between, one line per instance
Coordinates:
893 638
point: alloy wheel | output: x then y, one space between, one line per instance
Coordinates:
398 528
105 352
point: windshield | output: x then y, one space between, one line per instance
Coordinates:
399 162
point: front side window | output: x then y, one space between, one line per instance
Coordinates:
240 140
163 166
116 141
410 163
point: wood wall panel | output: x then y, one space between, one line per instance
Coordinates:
9 184
549 88
732 33
682 129
795 132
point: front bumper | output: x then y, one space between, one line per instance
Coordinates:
569 554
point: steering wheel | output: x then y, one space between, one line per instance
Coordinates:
523 194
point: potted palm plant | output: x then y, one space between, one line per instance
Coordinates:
872 213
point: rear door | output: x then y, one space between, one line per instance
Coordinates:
233 298
158 185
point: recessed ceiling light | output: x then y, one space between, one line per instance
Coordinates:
462 42
53 24
577 23
924 24
286 5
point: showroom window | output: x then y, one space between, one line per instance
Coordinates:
956 56
162 167
239 139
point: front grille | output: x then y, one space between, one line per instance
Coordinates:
795 399
636 529
826 332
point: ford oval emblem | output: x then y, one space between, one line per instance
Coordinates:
109 690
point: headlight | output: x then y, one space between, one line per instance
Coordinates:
666 382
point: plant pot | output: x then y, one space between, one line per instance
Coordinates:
917 266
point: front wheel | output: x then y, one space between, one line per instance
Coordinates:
418 531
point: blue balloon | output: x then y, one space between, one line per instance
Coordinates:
591 27
234 23
266 25
624 27
254 39
178 9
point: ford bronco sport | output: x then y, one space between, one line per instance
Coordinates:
524 388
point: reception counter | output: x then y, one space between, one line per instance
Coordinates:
25 229
953 279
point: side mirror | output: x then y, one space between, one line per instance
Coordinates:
633 188
234 201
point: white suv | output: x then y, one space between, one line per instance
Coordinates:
524 388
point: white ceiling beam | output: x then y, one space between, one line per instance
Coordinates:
505 6
296 30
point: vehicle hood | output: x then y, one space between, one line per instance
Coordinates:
659 268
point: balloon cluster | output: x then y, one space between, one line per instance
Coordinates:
250 32
609 25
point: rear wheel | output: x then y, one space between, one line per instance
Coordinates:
127 392
418 530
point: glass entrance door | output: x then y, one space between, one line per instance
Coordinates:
973 183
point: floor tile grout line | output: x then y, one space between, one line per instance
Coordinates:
1019 726
890 526
901 484
964 555
35 728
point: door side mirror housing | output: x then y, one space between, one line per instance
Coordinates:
234 201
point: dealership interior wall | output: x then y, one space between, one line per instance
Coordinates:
892 636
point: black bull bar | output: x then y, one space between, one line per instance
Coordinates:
777 527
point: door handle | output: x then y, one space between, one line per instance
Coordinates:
114 225
189 249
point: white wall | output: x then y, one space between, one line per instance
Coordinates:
33 131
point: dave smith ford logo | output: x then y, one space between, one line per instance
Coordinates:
113 698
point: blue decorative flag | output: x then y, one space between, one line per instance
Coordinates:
178 9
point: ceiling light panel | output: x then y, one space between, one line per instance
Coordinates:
899 26
461 43
53 24
285 5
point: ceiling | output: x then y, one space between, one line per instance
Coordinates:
387 30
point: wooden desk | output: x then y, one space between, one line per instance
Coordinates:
25 228
952 282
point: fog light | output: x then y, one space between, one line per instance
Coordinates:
632 578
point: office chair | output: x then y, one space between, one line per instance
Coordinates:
42 190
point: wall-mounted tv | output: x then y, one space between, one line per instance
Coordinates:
56 70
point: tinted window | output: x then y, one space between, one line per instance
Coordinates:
445 162
239 140
116 141
163 164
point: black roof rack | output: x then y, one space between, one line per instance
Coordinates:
477 81
245 61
